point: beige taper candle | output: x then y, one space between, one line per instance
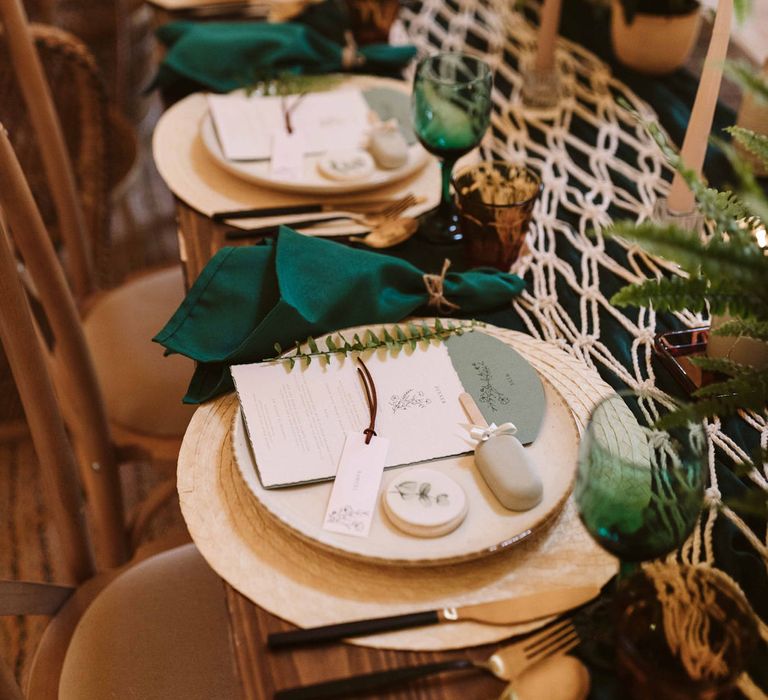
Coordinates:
549 22
681 200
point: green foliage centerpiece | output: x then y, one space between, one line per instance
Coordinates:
725 273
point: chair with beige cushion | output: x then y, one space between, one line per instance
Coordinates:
141 390
155 628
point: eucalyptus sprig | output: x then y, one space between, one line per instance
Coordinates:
395 338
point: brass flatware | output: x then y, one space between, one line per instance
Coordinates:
353 207
507 663
501 612
380 219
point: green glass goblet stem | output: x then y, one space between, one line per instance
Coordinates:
450 108
639 487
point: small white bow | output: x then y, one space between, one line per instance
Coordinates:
481 434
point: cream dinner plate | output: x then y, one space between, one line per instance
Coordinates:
487 528
312 181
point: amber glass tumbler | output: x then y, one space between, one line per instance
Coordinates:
495 203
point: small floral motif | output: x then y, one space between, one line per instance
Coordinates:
489 394
411 490
409 399
350 518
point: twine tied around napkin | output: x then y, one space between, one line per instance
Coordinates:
481 434
350 57
434 284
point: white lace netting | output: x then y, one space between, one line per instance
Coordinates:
586 180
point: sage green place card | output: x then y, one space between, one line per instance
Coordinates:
503 384
392 104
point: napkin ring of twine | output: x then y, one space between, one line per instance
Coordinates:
350 58
434 285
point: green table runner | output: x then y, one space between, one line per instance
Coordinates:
570 276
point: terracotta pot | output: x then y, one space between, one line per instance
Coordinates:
653 44
746 351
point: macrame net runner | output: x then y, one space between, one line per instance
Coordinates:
692 609
597 164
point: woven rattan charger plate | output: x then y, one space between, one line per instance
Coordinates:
307 585
311 181
194 176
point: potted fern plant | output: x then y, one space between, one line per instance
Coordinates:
654 36
726 274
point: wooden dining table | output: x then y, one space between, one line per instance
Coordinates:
568 277
216 503
261 671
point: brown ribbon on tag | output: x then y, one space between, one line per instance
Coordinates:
370 395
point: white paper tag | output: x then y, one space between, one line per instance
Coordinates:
356 488
287 156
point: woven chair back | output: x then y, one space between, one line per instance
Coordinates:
57 122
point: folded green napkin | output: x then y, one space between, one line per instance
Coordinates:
247 299
224 56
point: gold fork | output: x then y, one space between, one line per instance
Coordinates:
506 663
368 218
359 206
386 214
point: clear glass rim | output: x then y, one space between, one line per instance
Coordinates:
512 166
425 62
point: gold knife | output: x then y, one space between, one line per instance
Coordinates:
500 612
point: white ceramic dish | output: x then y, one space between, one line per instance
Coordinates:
313 181
487 528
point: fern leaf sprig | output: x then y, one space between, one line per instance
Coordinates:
720 365
748 78
750 385
395 338
748 327
695 294
746 391
666 294
757 144
718 258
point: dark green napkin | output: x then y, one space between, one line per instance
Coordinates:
224 56
247 299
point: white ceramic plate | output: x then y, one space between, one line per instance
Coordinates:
258 172
488 527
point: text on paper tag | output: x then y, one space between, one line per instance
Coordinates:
353 498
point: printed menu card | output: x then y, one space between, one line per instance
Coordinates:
297 418
246 125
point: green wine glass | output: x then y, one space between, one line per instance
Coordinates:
639 489
451 110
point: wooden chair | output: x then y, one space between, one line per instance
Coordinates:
141 389
156 628
69 361
101 145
